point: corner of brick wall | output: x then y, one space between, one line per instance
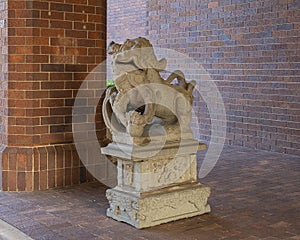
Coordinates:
52 48
41 168
3 78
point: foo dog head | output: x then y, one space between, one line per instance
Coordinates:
138 85
134 54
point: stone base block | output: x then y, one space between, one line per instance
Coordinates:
147 209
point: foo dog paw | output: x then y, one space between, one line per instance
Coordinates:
112 98
136 123
136 118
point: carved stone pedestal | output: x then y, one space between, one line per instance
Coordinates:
152 208
155 185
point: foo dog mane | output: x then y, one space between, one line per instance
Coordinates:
138 51
129 44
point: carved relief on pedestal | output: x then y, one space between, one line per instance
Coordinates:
128 173
157 173
158 207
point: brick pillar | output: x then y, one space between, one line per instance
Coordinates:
52 46
3 79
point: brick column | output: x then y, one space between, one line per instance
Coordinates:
3 79
52 46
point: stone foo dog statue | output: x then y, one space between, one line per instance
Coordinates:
141 98
152 142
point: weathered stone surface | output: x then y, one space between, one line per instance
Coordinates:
150 168
143 210
157 189
141 98
151 139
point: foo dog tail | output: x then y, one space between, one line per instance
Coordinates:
181 81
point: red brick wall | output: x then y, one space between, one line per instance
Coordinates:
63 42
3 80
126 19
52 47
3 72
250 49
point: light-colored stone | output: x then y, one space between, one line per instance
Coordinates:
9 232
151 140
143 210
141 97
146 168
157 189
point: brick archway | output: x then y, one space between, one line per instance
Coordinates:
49 47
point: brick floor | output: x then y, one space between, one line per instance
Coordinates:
255 195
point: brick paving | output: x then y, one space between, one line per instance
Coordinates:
255 195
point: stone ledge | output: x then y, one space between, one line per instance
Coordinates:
8 232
